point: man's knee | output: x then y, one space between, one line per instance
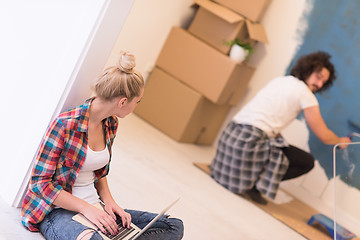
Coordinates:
310 163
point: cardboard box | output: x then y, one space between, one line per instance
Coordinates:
216 25
203 68
251 9
179 111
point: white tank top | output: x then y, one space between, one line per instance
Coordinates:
84 187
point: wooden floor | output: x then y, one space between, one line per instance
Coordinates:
293 213
149 170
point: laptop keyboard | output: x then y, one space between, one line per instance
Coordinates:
123 231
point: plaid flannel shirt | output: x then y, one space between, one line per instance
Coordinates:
62 153
245 157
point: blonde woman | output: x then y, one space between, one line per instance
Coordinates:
69 175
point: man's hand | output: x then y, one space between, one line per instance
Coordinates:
344 140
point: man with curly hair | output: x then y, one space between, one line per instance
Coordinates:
252 157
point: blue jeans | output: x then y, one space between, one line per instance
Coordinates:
58 225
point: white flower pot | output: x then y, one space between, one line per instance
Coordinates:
237 53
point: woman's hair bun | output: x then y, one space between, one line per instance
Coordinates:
126 62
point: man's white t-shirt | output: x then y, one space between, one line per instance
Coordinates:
276 105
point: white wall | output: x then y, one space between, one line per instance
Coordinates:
146 30
50 52
147 27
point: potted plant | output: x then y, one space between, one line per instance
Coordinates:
239 51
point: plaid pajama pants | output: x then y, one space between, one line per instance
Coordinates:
247 157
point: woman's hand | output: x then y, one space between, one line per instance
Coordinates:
103 220
110 205
98 217
111 208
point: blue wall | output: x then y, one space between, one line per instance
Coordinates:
333 26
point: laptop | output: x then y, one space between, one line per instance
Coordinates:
124 233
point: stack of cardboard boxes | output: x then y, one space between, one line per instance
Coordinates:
194 84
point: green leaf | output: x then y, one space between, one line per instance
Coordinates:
246 46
